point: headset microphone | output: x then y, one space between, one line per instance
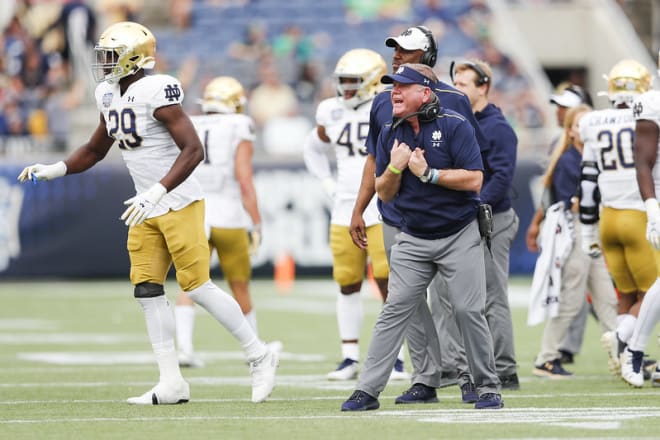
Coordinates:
426 112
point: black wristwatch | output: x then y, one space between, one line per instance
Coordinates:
426 175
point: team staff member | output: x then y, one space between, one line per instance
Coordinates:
340 132
415 45
143 114
429 165
474 78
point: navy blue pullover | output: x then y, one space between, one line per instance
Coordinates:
501 158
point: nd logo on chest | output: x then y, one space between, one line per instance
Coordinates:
436 139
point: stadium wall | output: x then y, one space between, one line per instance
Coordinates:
70 228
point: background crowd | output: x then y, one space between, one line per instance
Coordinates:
282 52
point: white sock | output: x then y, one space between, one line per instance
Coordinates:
626 326
224 308
649 313
401 354
160 328
350 350
185 324
349 316
251 317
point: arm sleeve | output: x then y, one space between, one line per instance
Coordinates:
465 150
315 155
501 164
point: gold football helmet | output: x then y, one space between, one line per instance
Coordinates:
123 49
626 80
357 76
223 94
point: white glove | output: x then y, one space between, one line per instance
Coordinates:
590 242
43 172
653 222
254 236
142 204
329 186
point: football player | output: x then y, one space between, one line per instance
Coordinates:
610 200
142 114
232 218
342 125
646 110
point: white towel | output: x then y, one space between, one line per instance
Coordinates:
556 242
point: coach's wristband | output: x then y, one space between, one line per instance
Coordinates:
435 175
393 169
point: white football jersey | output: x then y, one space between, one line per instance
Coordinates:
220 134
647 106
347 129
146 146
608 137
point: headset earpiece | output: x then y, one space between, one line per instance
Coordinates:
431 55
482 77
429 111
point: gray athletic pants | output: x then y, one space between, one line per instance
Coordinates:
572 342
579 274
423 343
498 313
414 263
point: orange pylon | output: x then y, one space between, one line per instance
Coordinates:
284 273
373 285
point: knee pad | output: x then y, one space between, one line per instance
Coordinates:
148 290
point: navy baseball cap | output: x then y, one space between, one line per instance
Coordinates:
406 75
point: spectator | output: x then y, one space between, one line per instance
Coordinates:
272 98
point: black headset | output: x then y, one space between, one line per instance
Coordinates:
430 56
429 111
426 113
482 79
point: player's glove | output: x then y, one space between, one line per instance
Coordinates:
43 172
653 222
590 242
142 204
254 236
329 186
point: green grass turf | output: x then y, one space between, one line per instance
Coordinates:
72 352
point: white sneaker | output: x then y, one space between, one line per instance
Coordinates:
628 373
399 372
190 360
263 375
610 342
347 370
275 346
163 394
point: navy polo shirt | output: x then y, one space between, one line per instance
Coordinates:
431 211
566 176
501 158
381 114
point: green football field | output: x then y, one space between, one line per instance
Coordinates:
72 352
